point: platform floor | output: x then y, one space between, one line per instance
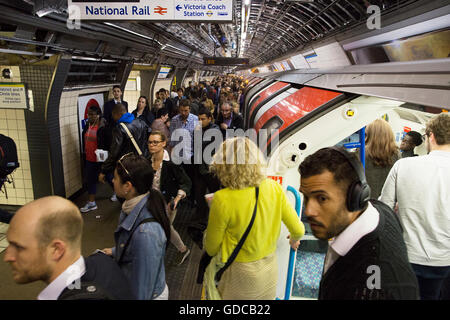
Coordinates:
98 233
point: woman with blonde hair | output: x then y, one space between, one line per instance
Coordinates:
208 104
248 196
381 154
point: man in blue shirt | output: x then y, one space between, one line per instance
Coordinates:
182 141
182 138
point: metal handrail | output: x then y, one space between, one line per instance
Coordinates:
290 275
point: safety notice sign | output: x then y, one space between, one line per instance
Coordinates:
13 96
167 10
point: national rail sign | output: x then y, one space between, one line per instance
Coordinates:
168 10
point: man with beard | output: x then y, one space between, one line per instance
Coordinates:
420 186
366 257
45 244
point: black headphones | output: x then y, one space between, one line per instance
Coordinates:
358 193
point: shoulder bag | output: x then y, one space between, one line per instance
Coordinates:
131 138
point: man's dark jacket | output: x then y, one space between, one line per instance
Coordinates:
121 144
110 124
383 248
169 105
103 280
203 168
237 122
107 110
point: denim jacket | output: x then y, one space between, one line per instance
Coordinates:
143 260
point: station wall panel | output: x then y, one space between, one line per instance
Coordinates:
12 124
131 96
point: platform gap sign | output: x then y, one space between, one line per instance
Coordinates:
218 11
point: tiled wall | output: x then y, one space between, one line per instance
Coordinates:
331 56
12 124
186 81
70 138
162 84
3 241
132 96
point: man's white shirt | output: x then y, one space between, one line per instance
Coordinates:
341 245
56 287
421 186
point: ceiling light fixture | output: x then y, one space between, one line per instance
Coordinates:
245 16
131 31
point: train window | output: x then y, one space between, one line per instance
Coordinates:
273 124
353 138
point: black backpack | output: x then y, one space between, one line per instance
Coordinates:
8 158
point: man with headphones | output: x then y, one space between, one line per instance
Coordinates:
367 256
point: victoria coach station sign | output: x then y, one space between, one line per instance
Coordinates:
167 10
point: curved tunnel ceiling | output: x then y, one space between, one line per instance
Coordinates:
275 28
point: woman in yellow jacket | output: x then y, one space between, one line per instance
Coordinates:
240 166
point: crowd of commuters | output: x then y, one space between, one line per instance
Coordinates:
148 184
153 169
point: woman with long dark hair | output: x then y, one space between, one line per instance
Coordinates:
141 237
143 112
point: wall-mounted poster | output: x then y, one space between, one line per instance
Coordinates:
84 103
13 96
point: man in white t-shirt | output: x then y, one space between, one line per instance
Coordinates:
421 187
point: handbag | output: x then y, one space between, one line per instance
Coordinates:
216 267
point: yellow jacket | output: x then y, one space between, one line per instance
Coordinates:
230 215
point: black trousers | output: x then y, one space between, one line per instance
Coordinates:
431 280
203 184
190 171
